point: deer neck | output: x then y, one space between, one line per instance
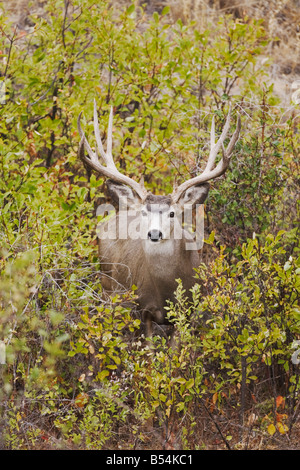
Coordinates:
164 258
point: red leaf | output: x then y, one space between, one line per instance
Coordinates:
279 401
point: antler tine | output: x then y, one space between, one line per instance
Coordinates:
109 134
210 172
234 137
215 147
211 159
84 143
97 133
93 161
110 170
107 156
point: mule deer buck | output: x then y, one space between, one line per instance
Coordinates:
158 255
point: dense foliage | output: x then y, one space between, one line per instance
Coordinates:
76 372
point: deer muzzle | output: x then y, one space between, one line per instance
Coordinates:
155 235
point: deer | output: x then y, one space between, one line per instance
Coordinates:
162 250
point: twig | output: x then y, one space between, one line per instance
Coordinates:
44 94
64 22
11 40
212 418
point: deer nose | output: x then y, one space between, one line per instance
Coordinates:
154 235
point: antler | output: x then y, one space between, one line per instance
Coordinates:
110 170
210 173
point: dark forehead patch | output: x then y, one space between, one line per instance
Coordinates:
158 203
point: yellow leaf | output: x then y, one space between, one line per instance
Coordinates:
215 397
162 397
101 375
282 428
81 400
271 429
190 384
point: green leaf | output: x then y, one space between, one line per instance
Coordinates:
102 375
130 10
156 17
189 384
180 406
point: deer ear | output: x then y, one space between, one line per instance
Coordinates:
194 195
122 196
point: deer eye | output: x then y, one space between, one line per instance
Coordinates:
172 214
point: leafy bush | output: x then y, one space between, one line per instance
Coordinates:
250 327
